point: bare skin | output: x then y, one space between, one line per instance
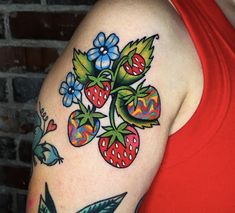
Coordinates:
177 74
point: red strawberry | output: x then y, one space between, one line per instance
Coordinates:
97 91
116 152
136 66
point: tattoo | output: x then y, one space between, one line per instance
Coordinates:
46 205
139 204
105 72
45 152
108 205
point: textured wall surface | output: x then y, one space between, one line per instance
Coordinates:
32 35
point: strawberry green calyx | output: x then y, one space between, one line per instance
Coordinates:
140 92
88 116
97 81
116 134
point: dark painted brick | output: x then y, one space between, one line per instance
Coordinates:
7 148
16 177
21 203
4 1
43 25
19 1
1 27
26 89
6 202
16 121
26 1
3 93
71 2
26 58
25 151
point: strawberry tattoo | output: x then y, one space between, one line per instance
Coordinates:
135 65
119 147
83 125
97 90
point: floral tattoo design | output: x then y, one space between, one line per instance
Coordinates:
105 73
109 205
43 151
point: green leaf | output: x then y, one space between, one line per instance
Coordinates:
82 107
39 152
47 205
82 66
91 120
113 138
108 205
126 132
98 115
42 208
49 201
122 126
37 120
107 134
122 111
108 128
38 133
121 138
83 121
145 48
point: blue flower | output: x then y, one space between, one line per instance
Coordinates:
71 90
105 50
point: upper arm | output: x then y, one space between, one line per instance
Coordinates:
79 165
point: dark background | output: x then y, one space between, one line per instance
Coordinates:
32 35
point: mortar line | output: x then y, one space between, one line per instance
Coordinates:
33 43
43 8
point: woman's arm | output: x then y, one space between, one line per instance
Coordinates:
105 110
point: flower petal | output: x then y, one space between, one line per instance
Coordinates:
67 100
70 79
102 62
112 40
92 54
63 88
77 96
78 85
99 40
113 53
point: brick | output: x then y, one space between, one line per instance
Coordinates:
16 121
44 25
20 1
6 202
26 89
9 174
1 27
3 90
25 151
7 148
27 59
71 2
4 1
26 1
21 203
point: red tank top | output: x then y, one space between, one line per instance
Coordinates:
197 174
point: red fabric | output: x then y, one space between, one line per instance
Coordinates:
198 169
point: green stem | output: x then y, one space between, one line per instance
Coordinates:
123 88
106 70
124 59
111 112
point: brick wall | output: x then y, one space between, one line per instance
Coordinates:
32 35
